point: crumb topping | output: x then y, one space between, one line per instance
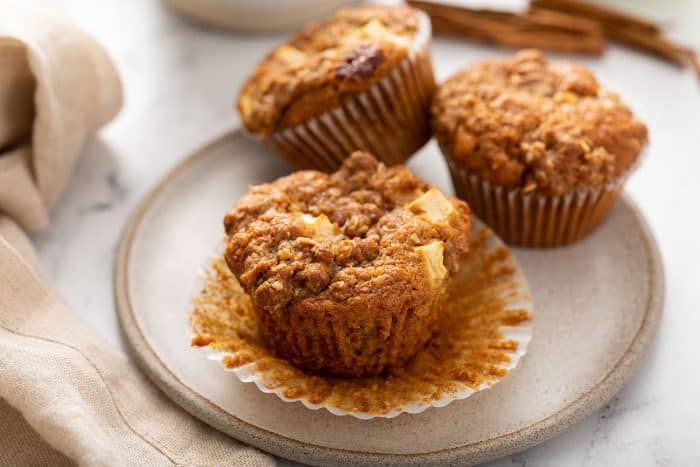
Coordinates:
365 237
549 128
324 62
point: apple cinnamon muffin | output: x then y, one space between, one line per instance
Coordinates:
540 151
360 80
348 272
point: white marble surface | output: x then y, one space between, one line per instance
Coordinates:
180 81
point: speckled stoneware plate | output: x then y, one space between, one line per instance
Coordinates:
597 307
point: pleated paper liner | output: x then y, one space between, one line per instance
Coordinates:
390 119
482 335
535 220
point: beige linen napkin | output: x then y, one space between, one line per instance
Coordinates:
65 396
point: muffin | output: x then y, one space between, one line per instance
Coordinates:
540 151
360 80
347 272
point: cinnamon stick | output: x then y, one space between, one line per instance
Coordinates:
539 28
564 21
622 27
610 18
651 43
577 26
694 61
507 37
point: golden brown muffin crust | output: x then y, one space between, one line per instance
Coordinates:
549 129
325 62
348 242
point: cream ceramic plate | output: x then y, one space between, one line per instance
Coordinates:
597 307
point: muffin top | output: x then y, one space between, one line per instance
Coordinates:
360 240
324 62
522 122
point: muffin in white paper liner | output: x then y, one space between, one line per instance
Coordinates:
389 119
482 335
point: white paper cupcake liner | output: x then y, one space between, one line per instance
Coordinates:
390 119
490 303
534 220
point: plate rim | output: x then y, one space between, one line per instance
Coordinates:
278 444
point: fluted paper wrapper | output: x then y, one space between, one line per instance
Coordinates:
390 119
483 332
534 220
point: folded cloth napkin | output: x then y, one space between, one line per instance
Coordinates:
66 397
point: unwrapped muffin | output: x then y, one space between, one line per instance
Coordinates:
347 272
360 80
539 151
